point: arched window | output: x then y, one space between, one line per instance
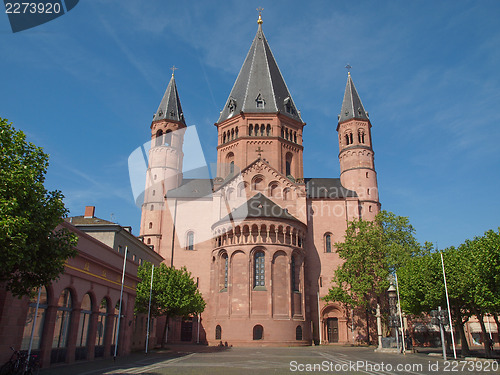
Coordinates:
101 328
298 333
159 138
241 189
232 134
328 243
295 137
256 129
231 167
218 332
268 130
224 272
258 332
83 328
62 324
288 164
262 130
350 138
259 269
236 132
286 134
30 320
250 129
150 225
224 138
149 241
293 275
258 183
346 139
168 138
190 241
273 190
282 132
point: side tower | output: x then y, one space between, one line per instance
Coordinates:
260 117
357 167
165 164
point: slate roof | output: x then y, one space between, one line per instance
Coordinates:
259 206
170 106
259 79
330 188
81 220
352 108
192 188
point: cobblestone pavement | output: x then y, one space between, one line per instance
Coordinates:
303 360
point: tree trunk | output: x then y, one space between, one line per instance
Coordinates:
460 322
164 338
367 327
498 326
486 337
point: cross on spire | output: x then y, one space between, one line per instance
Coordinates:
259 150
173 69
259 21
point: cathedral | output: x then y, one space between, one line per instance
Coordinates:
259 237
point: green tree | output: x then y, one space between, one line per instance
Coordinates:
371 251
485 258
33 252
421 286
174 293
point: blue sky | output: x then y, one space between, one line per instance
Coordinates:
85 87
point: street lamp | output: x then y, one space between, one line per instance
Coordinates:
440 318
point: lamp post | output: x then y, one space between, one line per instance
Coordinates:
393 319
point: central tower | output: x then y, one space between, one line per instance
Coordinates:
260 118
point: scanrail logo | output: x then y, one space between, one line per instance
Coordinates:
26 14
170 173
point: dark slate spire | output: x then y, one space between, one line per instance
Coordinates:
352 106
170 106
260 87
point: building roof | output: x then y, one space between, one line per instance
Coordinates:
192 188
82 220
170 106
352 108
260 80
259 206
330 188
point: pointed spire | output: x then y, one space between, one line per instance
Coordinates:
259 87
351 106
170 106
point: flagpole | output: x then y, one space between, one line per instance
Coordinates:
400 315
449 311
117 334
149 308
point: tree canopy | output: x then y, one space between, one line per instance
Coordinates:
174 293
33 251
473 280
371 251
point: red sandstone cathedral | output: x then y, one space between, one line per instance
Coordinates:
259 237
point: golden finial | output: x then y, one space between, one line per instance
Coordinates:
173 69
259 21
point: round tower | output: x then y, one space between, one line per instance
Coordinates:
357 166
165 163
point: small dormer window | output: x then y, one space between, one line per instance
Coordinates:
231 105
260 102
288 105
